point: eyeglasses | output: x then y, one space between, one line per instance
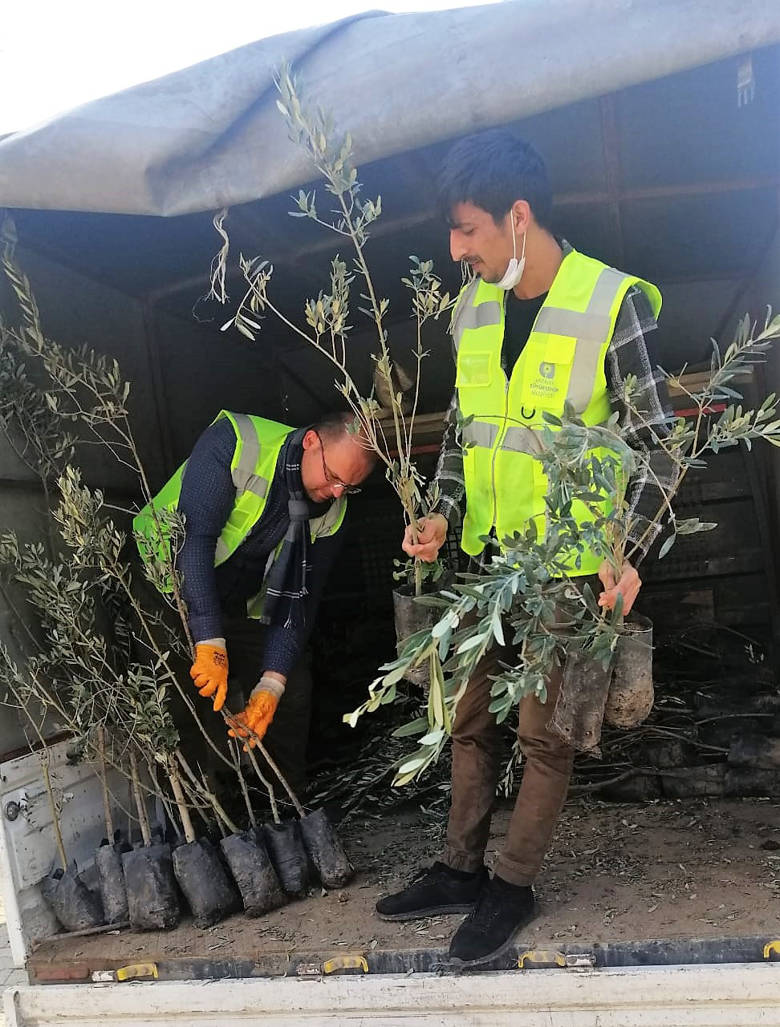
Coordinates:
330 477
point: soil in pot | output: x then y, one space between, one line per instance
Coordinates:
247 856
152 896
289 856
630 697
327 853
108 862
205 882
75 906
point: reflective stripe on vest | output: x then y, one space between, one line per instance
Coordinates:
244 477
563 360
258 444
590 328
468 315
331 520
221 552
517 438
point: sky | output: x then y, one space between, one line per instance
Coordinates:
55 55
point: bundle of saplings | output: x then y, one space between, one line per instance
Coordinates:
527 588
384 408
75 906
107 662
524 594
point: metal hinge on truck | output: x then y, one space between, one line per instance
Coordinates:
333 965
133 972
548 959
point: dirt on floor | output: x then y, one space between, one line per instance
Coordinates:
697 868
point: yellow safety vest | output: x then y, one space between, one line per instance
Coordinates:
562 360
252 468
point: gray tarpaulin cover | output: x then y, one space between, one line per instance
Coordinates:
210 135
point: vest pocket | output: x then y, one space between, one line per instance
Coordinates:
474 369
557 349
241 520
546 373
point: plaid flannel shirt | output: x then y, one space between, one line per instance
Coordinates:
631 351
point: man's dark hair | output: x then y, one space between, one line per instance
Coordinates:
335 425
491 170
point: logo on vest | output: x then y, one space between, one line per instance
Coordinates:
544 384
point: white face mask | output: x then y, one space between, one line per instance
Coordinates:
515 267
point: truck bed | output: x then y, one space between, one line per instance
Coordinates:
629 883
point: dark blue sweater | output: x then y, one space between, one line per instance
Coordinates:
211 593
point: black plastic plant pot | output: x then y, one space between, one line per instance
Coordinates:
579 711
108 862
285 845
253 871
75 906
411 617
152 897
327 853
205 883
631 694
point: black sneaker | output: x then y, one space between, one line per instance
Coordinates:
488 931
434 892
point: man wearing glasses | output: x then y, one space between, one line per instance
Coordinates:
263 505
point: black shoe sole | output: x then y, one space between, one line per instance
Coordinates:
465 964
419 914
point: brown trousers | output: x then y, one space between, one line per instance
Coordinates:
476 767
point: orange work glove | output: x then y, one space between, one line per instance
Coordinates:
259 711
210 671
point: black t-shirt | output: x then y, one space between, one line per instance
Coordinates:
520 317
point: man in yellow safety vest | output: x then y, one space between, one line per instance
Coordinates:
538 326
263 504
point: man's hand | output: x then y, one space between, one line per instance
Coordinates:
210 671
259 710
628 586
431 533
